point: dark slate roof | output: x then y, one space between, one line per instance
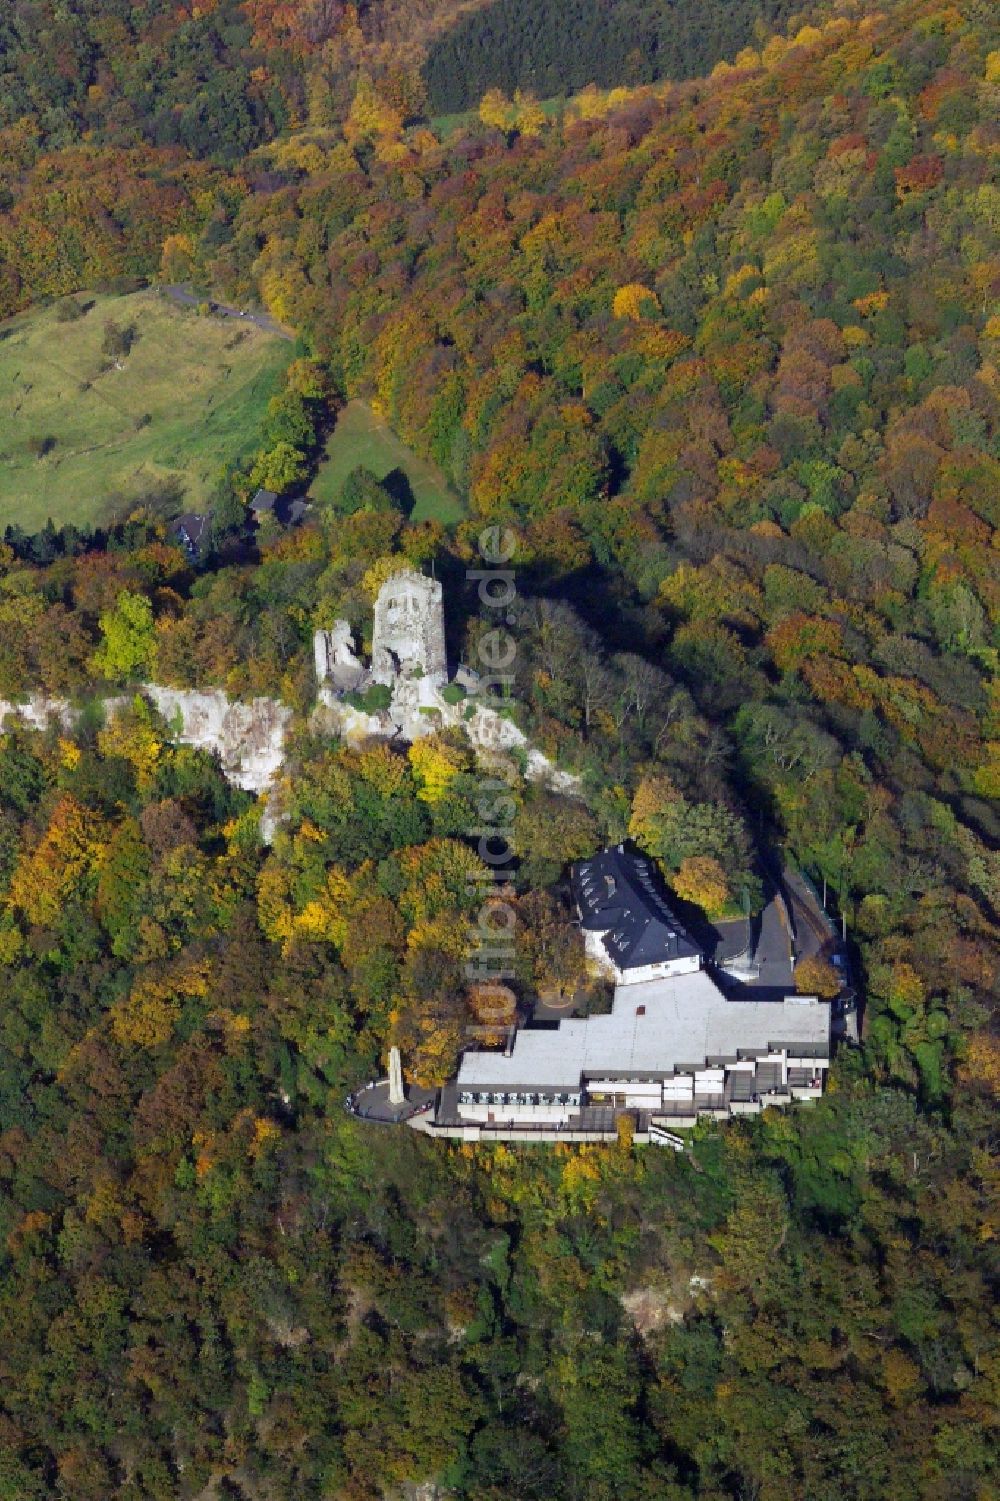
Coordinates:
263 501
296 512
619 894
190 527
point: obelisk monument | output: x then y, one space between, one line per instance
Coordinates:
396 1095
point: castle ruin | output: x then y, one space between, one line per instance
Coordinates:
408 639
336 664
408 656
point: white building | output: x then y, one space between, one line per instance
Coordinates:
674 1045
628 926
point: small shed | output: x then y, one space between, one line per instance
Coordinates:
263 503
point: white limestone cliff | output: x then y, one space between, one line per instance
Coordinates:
248 738
408 656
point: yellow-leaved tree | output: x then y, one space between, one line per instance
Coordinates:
147 1016
176 258
494 1010
73 845
435 1056
529 117
323 916
702 880
440 878
814 976
371 117
653 794
435 764
496 110
131 734
634 301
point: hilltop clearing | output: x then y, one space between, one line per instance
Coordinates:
135 394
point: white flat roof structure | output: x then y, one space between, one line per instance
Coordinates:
655 1028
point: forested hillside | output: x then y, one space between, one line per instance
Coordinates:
559 46
152 72
724 355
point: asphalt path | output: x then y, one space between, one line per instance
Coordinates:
185 298
814 931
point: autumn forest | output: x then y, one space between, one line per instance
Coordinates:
707 315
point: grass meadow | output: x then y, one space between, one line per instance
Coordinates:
362 437
80 438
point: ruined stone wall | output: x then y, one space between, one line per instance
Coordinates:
337 667
408 636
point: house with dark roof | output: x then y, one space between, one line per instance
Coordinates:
263 503
285 510
629 927
675 1046
191 531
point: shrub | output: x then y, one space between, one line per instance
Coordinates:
117 340
375 698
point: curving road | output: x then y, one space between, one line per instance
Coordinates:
186 298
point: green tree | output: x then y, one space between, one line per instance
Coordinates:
279 468
128 646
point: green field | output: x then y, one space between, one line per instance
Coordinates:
361 437
190 397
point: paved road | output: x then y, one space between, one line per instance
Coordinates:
815 933
813 929
221 310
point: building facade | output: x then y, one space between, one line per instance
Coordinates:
629 929
674 1047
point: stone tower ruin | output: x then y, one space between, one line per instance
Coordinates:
336 665
408 638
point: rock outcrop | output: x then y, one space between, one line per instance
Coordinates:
248 738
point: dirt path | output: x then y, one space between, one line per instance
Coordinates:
185 298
